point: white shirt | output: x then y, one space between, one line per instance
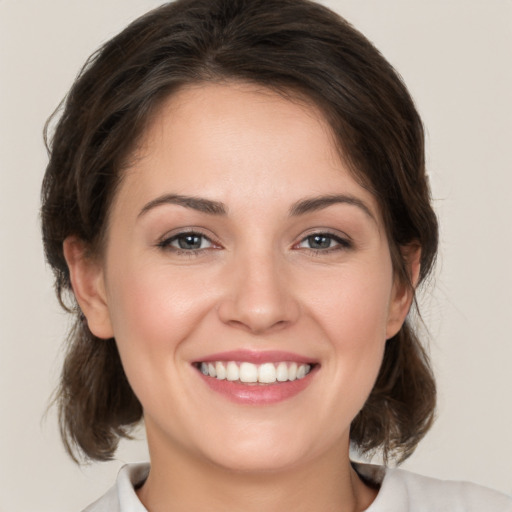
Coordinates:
400 491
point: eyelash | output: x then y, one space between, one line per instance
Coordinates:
165 243
340 243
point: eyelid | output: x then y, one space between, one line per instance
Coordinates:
342 240
164 241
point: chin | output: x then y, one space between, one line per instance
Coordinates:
262 453
257 461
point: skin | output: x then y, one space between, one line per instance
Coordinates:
257 283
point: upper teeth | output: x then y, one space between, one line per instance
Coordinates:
267 373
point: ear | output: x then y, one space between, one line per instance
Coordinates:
87 280
403 291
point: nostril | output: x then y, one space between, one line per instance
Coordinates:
258 299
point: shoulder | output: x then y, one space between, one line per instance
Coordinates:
122 496
402 491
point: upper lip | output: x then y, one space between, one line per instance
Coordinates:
256 357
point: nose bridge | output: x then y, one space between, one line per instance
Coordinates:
260 296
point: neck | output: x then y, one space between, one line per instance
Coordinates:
179 482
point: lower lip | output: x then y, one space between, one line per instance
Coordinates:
258 394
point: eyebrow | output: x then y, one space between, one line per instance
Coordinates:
196 203
301 207
318 203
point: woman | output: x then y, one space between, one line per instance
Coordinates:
236 197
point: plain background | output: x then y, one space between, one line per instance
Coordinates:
455 56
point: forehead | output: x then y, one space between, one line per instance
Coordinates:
236 142
247 113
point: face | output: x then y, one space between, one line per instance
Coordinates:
247 281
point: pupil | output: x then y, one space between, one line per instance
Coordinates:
190 242
319 242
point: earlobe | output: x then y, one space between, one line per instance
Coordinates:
403 291
86 275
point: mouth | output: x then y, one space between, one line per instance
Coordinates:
256 377
250 373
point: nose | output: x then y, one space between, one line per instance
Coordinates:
259 295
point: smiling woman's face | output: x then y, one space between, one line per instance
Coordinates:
240 248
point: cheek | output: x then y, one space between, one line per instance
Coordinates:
353 307
152 312
154 308
353 313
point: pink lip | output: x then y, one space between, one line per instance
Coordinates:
258 394
256 357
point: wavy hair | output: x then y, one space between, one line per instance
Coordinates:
298 48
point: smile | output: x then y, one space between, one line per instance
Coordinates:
257 377
250 373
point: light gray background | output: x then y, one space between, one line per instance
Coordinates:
455 55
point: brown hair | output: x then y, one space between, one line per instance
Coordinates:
292 46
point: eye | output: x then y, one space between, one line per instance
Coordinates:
189 241
324 242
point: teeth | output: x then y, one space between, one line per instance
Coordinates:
282 372
292 371
220 370
232 372
248 372
266 373
212 370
